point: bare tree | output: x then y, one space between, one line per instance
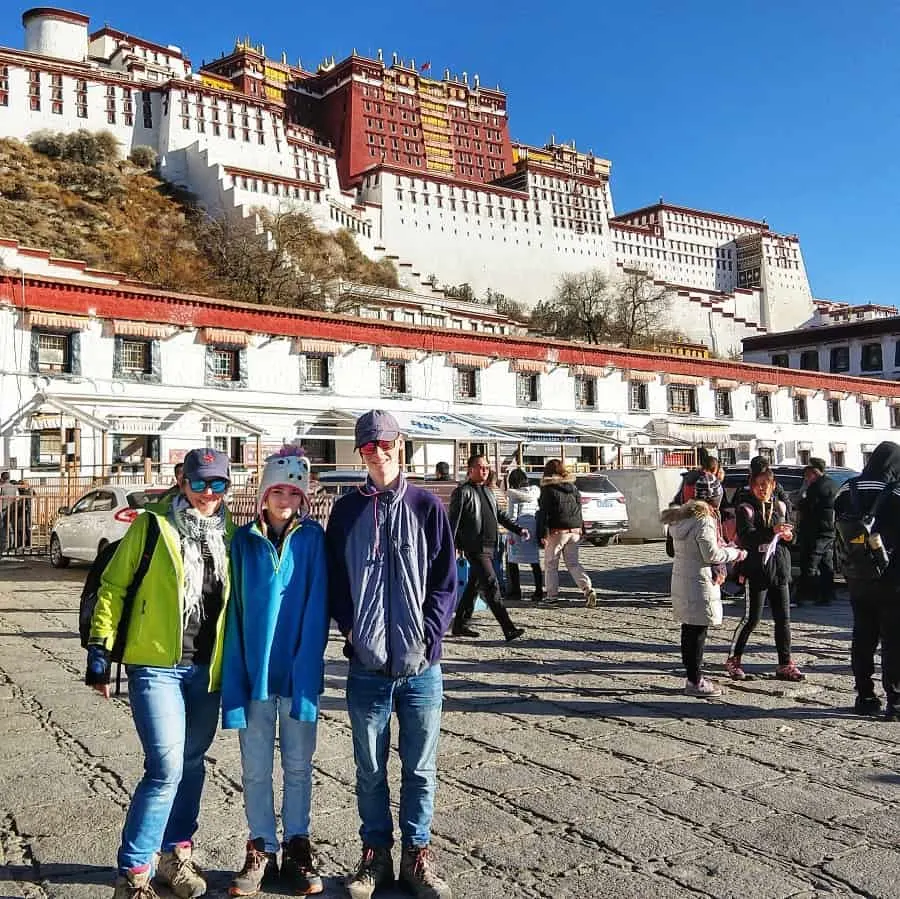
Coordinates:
579 309
637 306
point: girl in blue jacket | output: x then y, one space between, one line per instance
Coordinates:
273 668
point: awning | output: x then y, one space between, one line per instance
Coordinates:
645 377
320 347
836 394
469 360
217 414
592 371
36 404
692 431
725 384
692 380
338 424
765 388
146 330
528 366
36 318
550 429
395 354
802 391
224 337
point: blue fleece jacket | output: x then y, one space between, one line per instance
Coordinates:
277 622
392 576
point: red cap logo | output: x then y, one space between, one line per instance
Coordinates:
209 458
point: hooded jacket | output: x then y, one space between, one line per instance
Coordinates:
277 621
391 576
522 505
695 598
559 506
815 509
465 517
882 469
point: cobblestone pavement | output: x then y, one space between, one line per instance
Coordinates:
571 764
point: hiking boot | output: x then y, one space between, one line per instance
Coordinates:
867 705
789 672
135 884
260 867
418 875
513 634
178 871
733 668
375 870
703 688
464 631
590 599
298 867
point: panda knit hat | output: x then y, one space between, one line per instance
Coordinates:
289 467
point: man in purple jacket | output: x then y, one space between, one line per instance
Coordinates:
392 589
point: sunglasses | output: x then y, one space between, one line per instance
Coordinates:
217 485
368 449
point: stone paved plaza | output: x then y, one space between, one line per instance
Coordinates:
571 765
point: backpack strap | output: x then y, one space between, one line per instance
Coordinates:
137 578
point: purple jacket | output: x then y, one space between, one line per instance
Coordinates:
391 576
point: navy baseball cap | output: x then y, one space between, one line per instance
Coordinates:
207 464
375 425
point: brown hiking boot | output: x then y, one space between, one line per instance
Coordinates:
375 869
298 867
417 874
178 871
260 867
135 885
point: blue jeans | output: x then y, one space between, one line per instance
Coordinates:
418 701
176 718
297 740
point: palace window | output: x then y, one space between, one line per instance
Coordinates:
865 414
467 384
638 397
781 360
34 90
763 407
838 458
895 417
4 85
393 379
46 448
682 399
317 372
528 389
871 359
834 412
840 358
723 403
224 364
135 359
585 392
801 414
55 352
809 360
233 447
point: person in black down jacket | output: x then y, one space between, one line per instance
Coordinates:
762 521
815 536
560 527
474 518
876 602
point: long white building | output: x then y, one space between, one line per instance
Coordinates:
421 169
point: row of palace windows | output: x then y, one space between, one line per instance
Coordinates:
137 359
871 358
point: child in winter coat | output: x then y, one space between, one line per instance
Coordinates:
696 599
276 633
764 531
522 505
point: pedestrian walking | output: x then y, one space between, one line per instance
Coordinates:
696 597
522 505
173 654
392 588
873 500
560 528
815 536
275 638
764 532
475 521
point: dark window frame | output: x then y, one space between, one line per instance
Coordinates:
638 396
525 395
723 404
839 359
586 391
239 376
833 408
800 410
763 406
151 376
675 406
809 355
327 384
871 357
387 389
461 374
72 364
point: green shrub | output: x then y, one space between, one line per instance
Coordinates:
48 143
143 157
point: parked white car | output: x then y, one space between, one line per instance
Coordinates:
97 518
603 507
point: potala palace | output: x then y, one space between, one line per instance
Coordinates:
422 169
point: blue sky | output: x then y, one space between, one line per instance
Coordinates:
785 111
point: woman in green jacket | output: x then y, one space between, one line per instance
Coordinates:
173 656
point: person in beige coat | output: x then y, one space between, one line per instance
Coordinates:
696 598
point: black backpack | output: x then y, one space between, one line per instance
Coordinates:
855 534
92 587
